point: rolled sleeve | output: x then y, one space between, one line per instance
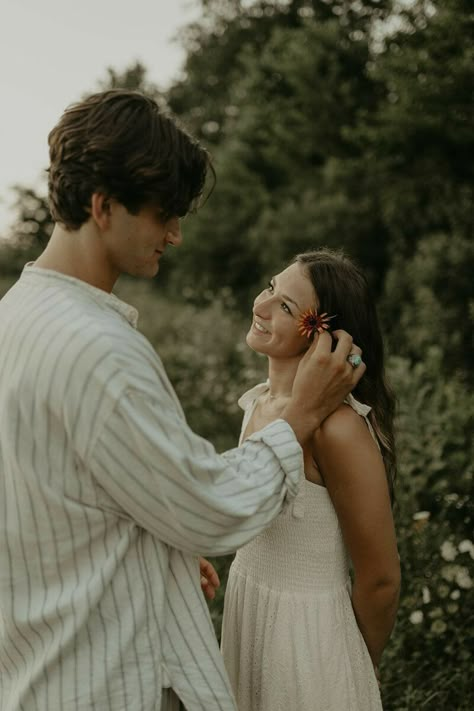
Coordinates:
280 437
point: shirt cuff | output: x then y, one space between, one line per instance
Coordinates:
280 437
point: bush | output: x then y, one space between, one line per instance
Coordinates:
428 663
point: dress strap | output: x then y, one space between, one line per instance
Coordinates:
359 407
247 403
249 397
362 410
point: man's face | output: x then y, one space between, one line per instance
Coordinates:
134 244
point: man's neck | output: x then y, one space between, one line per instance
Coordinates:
78 254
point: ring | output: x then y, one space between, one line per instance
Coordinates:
354 359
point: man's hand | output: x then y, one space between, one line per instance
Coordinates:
322 381
209 578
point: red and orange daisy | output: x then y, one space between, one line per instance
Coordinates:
310 322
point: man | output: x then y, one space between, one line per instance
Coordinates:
107 496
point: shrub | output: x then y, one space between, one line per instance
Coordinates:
428 662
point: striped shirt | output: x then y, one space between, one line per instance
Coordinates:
106 499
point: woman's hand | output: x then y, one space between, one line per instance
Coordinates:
209 578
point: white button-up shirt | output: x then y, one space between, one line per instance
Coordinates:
106 499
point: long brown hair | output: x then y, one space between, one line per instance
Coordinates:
342 289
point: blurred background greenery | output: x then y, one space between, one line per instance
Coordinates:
342 123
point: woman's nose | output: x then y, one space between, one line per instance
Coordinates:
262 303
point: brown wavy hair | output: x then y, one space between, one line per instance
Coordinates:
122 144
342 289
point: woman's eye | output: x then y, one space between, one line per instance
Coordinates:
285 307
270 286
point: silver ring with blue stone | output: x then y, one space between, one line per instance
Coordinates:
354 359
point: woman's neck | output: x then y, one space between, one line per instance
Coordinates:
281 374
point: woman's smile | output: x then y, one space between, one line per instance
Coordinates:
259 328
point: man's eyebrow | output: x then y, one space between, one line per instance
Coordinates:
285 296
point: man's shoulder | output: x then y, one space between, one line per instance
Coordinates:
64 328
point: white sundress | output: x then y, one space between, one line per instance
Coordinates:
290 639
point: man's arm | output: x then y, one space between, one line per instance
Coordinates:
172 482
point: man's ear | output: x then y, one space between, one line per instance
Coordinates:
100 210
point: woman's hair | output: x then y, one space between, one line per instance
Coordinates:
120 143
342 289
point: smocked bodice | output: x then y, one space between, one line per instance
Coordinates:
302 550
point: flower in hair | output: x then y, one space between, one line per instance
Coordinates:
310 322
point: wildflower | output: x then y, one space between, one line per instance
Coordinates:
420 519
463 578
421 515
458 574
466 546
439 626
426 595
443 590
416 617
448 551
448 572
455 595
310 322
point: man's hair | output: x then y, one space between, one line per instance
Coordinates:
122 144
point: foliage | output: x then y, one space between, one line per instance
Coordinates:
133 78
429 299
428 662
30 232
417 140
229 27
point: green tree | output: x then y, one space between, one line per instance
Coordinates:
419 140
290 172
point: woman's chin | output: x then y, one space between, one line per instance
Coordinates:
253 343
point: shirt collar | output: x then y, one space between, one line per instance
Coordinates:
98 295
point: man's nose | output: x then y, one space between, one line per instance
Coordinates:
174 236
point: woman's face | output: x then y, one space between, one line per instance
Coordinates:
276 312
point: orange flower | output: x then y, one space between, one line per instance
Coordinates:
311 322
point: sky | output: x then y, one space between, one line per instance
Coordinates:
54 51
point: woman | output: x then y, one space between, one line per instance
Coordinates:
299 633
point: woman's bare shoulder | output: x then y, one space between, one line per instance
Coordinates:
341 427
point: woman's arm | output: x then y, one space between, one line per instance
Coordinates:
354 474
